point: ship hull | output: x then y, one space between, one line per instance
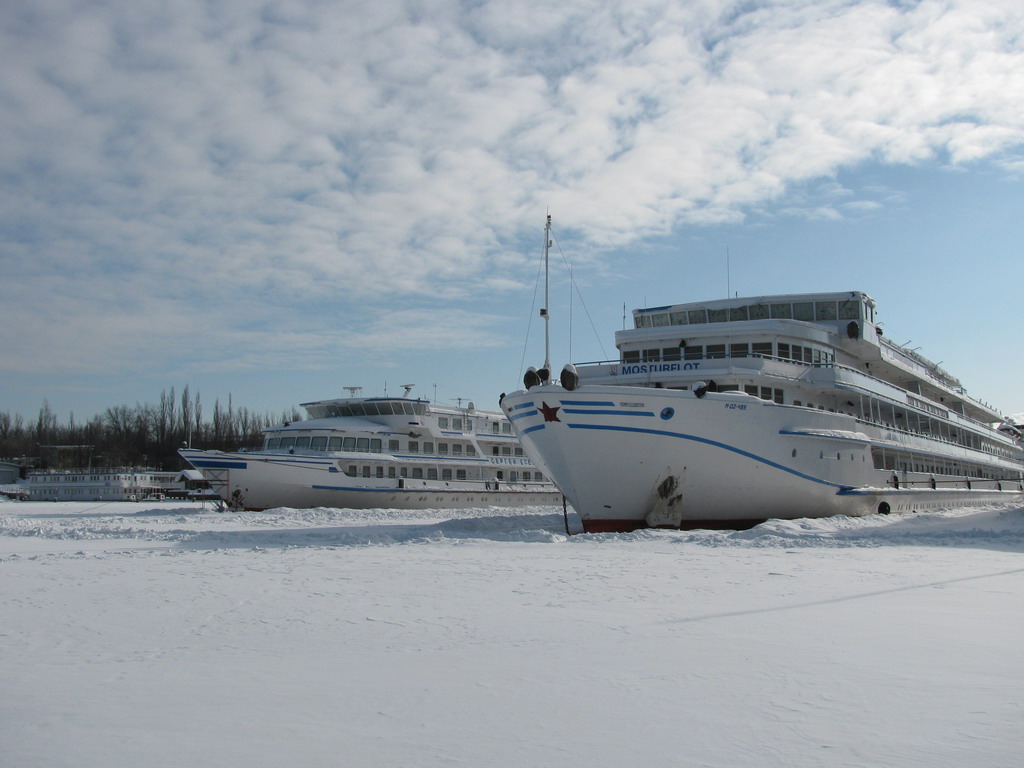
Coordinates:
257 481
630 457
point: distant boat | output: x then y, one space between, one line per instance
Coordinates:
726 413
392 452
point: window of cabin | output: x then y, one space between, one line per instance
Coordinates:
442 448
414 446
739 350
716 350
460 474
363 444
432 473
287 442
392 445
350 443
631 356
470 450
274 442
660 320
717 315
782 311
442 422
334 444
417 473
761 348
784 351
671 353
760 312
693 352
428 447
506 428
319 443
697 316
738 313
391 472
677 318
380 472
366 471
849 310
352 471
652 355
457 424
456 449
506 450
825 310
446 474
803 310
302 442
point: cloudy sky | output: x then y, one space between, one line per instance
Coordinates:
274 200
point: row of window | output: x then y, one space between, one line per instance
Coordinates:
431 473
810 311
798 353
906 461
376 445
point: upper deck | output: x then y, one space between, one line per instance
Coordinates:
776 336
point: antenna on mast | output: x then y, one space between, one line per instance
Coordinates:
544 309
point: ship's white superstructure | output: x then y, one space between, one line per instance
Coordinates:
729 412
392 452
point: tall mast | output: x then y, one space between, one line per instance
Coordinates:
544 311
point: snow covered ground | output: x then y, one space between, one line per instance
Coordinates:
163 634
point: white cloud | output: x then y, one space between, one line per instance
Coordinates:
201 156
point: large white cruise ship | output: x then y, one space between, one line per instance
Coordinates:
392 452
726 413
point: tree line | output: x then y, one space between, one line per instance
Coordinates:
143 435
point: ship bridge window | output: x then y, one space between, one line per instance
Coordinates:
717 315
716 350
762 348
652 355
782 311
803 310
318 443
350 443
287 442
273 442
739 350
825 310
697 316
759 312
694 352
628 356
677 318
643 321
738 313
660 320
849 310
671 353
302 442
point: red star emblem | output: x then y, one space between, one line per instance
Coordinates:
550 412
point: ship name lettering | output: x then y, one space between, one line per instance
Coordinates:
628 370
